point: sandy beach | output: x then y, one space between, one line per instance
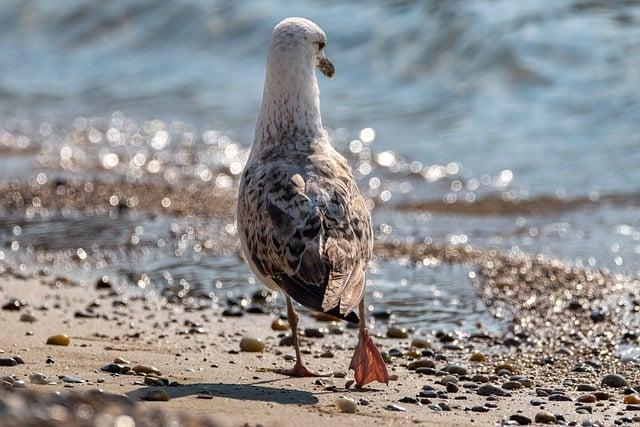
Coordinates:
195 351
495 144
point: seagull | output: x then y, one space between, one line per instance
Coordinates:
304 227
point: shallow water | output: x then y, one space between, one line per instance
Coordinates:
435 103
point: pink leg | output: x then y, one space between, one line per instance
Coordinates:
298 370
367 361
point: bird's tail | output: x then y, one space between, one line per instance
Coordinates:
367 362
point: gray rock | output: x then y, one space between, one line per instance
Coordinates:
614 380
492 390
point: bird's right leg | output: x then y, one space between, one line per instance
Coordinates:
367 361
298 370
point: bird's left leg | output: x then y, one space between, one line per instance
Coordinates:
298 370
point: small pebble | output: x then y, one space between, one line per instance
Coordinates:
59 340
144 369
587 398
520 419
251 345
39 379
8 361
491 390
614 380
633 399
346 405
420 343
156 395
478 357
313 333
279 325
27 317
396 332
545 417
422 363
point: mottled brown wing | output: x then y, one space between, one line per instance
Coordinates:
310 233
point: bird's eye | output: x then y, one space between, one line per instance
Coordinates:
320 45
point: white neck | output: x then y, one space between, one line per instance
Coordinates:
290 112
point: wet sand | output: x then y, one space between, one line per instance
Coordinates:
555 351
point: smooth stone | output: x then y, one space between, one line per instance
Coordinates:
505 366
156 382
63 340
395 352
426 371
520 419
452 388
479 379
70 379
346 405
103 283
397 332
560 398
479 408
512 385
602 395
587 398
478 357
455 369
545 417
28 317
444 406
526 382
286 341
614 380
114 368
430 394
279 325
586 387
340 374
408 399
121 361
156 395
40 379
491 390
13 305
8 361
396 408
450 379
314 333
422 363
633 399
251 345
144 369
420 343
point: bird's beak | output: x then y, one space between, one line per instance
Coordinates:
325 66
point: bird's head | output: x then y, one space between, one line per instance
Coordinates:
299 42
